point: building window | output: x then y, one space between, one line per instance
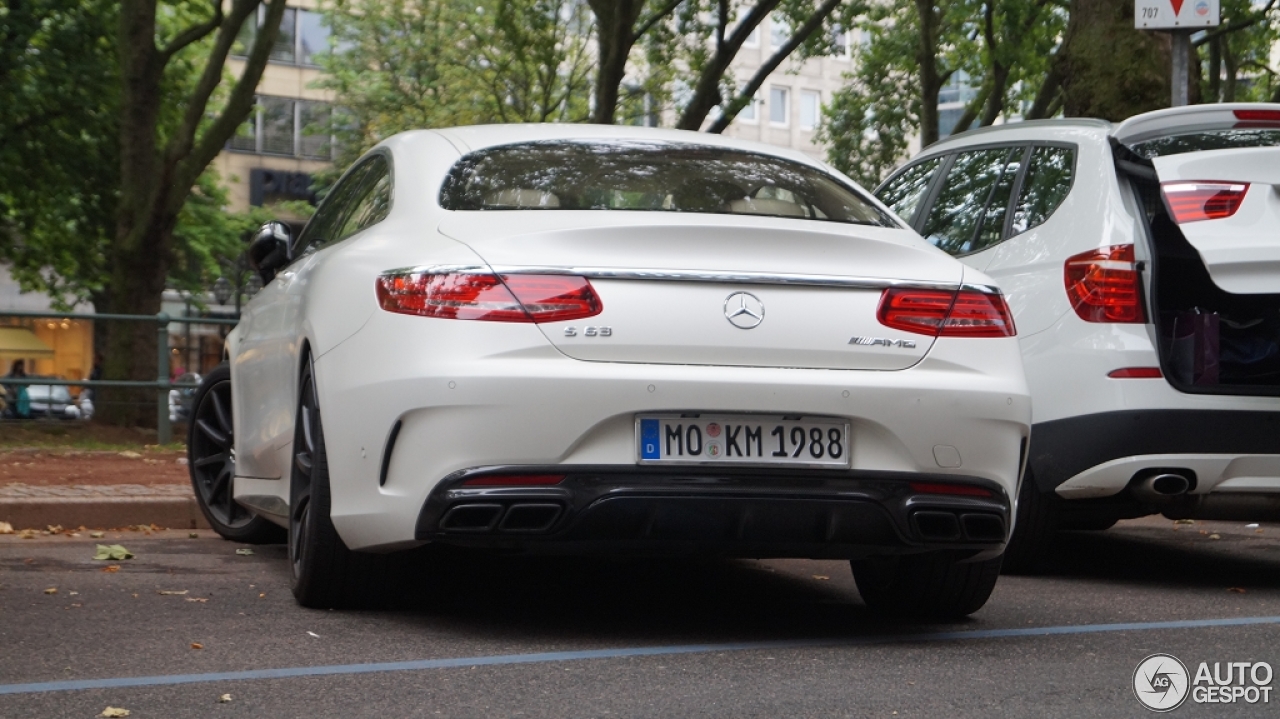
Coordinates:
840 42
779 111
753 39
303 37
748 112
778 33
809 103
288 127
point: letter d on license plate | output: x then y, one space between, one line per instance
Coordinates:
742 439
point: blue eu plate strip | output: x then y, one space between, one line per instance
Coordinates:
650 441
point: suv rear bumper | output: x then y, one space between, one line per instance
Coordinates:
1064 448
723 512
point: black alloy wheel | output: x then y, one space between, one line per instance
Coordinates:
326 574
211 461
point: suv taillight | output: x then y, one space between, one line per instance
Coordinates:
488 297
1103 285
1196 201
943 313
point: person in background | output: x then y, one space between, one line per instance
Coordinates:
19 402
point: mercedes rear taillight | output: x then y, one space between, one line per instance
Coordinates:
946 313
1196 201
488 297
1103 285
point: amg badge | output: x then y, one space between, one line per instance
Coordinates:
882 342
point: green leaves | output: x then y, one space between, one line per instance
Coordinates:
411 64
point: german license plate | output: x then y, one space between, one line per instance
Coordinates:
742 439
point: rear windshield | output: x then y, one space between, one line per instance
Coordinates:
1225 139
648 176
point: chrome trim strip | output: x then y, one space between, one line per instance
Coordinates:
737 278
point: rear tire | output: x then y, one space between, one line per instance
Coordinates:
326 574
1033 532
934 585
211 462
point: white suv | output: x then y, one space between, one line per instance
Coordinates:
1142 263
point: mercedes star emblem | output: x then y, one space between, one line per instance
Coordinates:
744 310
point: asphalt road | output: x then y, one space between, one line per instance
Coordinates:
498 637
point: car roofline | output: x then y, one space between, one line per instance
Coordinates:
1063 122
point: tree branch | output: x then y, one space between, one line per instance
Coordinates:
748 92
190 156
193 34
706 91
654 19
1229 28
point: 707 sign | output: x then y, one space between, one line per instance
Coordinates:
1175 14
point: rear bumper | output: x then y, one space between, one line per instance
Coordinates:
611 509
1096 455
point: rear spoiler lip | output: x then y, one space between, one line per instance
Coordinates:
1182 120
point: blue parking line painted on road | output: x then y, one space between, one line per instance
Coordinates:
621 653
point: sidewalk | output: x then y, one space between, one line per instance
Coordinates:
100 507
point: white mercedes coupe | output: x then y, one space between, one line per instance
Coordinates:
598 339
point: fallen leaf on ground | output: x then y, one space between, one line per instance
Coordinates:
97 535
6 528
224 698
113 552
821 576
317 636
28 534
51 590
202 600
1236 590
130 455
173 592
262 595
193 535
1215 536
54 528
244 551
112 568
1184 521
115 712
197 645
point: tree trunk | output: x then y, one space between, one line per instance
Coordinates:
930 82
158 168
1111 70
615 27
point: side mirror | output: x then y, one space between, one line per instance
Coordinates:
269 249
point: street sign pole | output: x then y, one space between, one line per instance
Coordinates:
1181 66
1180 18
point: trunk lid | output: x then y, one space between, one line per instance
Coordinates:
1224 159
718 289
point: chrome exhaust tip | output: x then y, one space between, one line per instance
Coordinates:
1161 485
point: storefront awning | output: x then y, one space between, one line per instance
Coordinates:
22 343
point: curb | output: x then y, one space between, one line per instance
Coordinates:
102 512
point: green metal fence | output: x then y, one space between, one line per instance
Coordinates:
162 385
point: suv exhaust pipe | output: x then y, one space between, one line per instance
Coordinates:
1162 485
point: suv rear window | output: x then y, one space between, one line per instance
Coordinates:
653 177
1224 139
